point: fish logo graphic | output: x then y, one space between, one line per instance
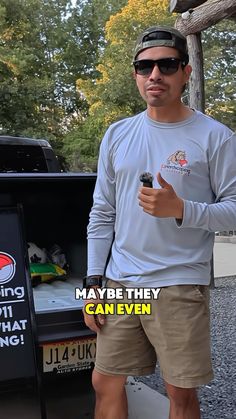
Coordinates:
179 158
7 267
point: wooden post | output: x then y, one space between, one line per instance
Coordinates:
196 82
206 15
212 280
180 6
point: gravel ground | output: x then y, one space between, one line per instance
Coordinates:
218 399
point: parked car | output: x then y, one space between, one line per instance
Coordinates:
55 206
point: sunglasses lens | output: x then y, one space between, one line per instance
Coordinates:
144 67
167 66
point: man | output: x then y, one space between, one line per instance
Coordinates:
160 237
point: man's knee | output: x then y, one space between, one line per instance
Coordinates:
108 385
99 382
181 396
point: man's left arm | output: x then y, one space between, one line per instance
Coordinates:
218 216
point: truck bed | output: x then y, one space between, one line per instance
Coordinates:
57 296
56 209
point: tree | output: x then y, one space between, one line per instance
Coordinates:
219 45
113 94
115 88
66 72
34 96
191 23
206 15
44 47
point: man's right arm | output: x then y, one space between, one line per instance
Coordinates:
101 226
102 215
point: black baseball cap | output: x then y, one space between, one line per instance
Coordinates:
162 36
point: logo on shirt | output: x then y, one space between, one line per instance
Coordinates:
177 162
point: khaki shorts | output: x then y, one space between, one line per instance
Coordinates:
177 333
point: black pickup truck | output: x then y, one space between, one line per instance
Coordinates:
55 207
22 155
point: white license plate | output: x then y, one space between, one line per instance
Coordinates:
70 356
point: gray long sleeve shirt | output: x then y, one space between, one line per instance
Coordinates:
197 157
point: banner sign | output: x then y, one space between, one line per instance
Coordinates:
17 346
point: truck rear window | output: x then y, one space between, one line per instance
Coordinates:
20 159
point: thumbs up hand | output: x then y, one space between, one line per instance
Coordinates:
163 202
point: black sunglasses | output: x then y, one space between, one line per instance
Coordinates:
167 66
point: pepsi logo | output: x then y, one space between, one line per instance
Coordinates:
7 267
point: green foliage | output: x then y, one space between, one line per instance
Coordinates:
116 88
66 69
113 94
45 46
219 43
36 94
